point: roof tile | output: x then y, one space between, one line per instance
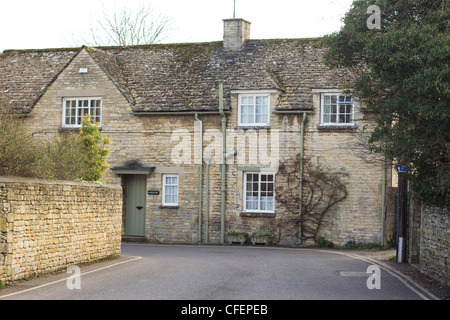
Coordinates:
181 77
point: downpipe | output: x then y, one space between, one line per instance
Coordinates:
200 179
300 191
223 166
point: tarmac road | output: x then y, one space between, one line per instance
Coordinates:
220 273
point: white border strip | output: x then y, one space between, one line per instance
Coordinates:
408 282
65 279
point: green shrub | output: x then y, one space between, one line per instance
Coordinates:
265 233
353 245
93 147
322 242
18 151
65 157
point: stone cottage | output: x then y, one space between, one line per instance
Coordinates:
199 131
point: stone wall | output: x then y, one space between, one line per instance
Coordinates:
435 243
47 226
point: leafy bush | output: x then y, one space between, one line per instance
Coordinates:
267 233
93 148
322 242
353 245
237 233
18 152
66 157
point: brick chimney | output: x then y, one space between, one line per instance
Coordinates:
235 33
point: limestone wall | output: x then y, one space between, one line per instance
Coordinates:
435 242
49 225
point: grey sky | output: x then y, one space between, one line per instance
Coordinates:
31 24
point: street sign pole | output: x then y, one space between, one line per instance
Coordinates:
401 214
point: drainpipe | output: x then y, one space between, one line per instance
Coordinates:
208 162
224 166
300 191
302 134
200 179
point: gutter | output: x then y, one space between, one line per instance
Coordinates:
223 166
293 111
177 113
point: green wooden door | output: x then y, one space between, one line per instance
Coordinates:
135 217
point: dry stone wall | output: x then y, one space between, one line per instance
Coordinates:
435 242
47 226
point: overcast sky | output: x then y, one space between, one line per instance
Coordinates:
35 24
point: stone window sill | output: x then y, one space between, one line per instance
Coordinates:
73 129
323 127
243 127
257 214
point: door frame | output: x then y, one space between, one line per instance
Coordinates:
125 172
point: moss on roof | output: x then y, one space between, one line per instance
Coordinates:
181 76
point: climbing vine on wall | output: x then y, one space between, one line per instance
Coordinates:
323 188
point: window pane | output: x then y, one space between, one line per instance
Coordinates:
333 108
258 114
345 99
261 114
250 114
251 203
68 112
261 108
247 100
261 100
74 109
333 99
244 114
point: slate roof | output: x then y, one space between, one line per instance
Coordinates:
180 77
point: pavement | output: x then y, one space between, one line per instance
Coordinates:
409 271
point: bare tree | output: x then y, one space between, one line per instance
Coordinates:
126 27
323 187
